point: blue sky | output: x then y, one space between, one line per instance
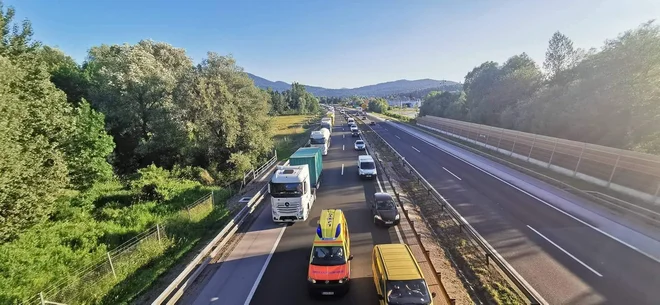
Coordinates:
338 43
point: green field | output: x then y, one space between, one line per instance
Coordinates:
409 112
291 131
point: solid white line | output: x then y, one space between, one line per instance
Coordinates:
538 199
397 137
562 249
343 147
457 177
263 269
342 169
415 148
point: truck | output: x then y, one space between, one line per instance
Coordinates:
327 123
320 139
292 188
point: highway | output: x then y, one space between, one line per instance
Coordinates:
568 259
269 264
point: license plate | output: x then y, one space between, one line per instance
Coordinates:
328 293
368 176
388 222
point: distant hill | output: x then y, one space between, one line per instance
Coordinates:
382 90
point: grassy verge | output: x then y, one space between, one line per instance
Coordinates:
67 257
487 282
291 131
572 185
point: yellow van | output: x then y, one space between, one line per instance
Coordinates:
329 270
398 277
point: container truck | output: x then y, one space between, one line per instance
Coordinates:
320 139
292 188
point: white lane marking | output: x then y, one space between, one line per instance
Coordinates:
263 269
539 199
343 147
343 136
457 177
342 169
567 253
396 228
417 150
397 137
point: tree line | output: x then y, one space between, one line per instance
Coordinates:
606 96
293 101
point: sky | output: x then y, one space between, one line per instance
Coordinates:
338 44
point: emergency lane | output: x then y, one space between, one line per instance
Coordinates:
285 277
563 259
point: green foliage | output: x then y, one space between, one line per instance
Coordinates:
294 101
379 105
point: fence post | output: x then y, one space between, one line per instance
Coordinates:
500 140
532 148
554 148
158 232
614 169
579 160
478 134
514 144
41 298
112 267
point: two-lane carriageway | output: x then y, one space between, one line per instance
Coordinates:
269 264
568 259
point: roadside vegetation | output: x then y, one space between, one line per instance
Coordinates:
292 131
116 149
603 96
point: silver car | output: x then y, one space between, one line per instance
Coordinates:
359 145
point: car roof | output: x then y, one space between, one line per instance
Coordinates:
383 196
362 158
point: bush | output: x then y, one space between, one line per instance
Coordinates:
193 173
153 184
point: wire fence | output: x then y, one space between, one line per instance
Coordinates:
633 173
88 284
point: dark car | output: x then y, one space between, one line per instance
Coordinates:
372 123
384 210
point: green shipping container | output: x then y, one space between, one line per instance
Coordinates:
312 156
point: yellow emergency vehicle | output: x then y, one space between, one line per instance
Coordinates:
398 277
329 270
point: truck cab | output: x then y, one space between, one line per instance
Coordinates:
320 139
291 193
329 271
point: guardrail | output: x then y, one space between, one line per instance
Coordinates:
628 172
254 173
491 255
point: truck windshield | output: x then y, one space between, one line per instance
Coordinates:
407 292
286 189
317 141
328 256
367 165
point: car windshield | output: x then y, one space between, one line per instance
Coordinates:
317 141
359 143
386 204
328 256
407 292
286 189
367 165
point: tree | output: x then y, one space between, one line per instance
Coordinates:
560 55
66 74
15 40
379 105
132 86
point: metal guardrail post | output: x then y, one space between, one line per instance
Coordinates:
609 181
158 232
514 145
579 160
532 148
554 148
500 140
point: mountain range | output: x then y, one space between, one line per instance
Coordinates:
378 90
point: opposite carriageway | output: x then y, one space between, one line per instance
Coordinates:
569 254
269 263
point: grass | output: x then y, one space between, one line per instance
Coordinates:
291 131
66 257
408 112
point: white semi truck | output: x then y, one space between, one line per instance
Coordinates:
320 139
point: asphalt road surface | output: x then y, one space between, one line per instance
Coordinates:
269 264
567 259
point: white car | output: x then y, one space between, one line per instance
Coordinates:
359 145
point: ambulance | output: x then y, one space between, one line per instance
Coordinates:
329 270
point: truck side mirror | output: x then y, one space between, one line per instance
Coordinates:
350 257
433 294
380 297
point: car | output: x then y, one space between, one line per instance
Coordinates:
384 210
359 145
372 123
367 167
355 132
